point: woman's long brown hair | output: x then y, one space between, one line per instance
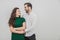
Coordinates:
12 18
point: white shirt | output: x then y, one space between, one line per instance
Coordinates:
30 23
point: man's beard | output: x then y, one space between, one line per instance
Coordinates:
26 11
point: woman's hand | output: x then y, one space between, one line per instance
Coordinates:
16 31
20 32
19 29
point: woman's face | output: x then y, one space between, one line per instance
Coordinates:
18 12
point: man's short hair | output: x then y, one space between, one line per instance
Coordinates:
28 4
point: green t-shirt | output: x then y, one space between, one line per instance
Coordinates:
18 23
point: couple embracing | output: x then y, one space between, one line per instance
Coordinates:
22 28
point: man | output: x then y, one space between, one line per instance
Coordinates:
30 18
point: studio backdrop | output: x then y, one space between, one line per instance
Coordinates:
48 18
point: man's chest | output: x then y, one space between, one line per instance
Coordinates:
29 18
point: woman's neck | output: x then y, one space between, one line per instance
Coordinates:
17 16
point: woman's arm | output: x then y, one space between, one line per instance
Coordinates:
14 31
21 28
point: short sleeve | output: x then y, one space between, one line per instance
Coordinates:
23 19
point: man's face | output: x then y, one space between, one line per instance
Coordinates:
26 8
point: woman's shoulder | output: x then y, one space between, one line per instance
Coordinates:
23 19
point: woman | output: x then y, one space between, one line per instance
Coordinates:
17 25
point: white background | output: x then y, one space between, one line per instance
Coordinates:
48 13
